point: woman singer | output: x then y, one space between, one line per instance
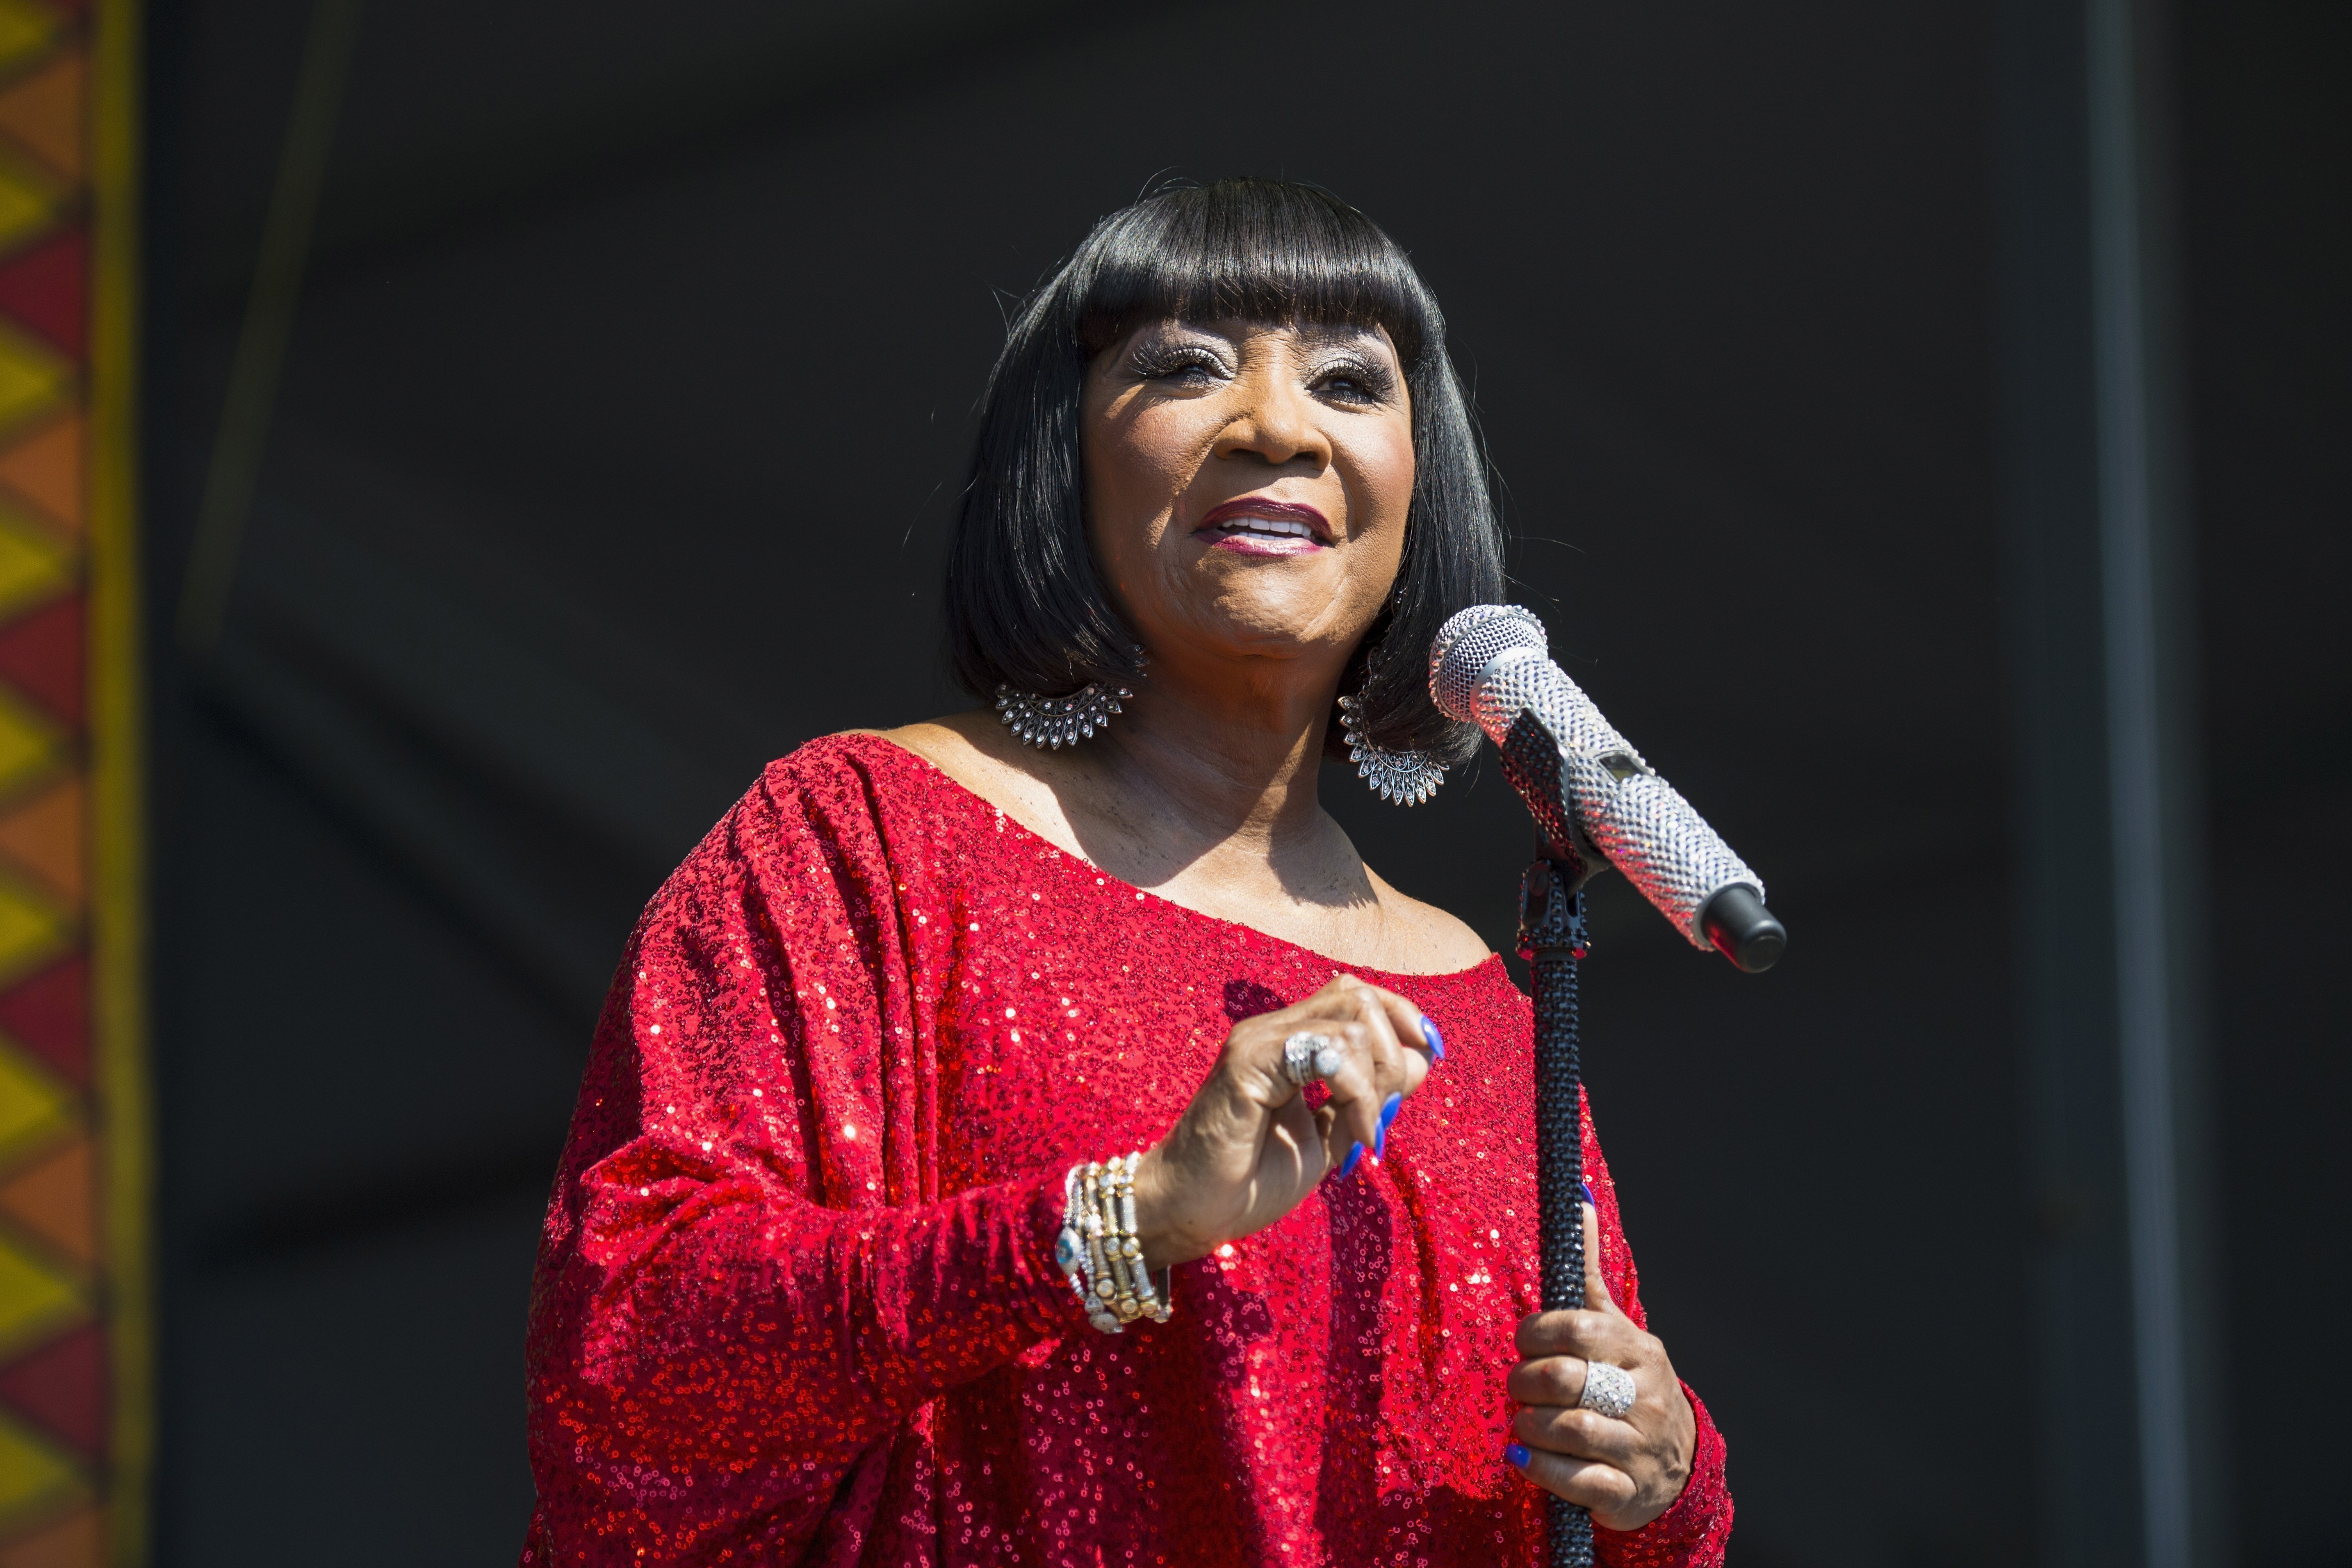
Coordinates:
1037 1136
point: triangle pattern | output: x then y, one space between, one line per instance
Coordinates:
77 1540
35 1475
56 1200
34 564
36 1299
30 198
32 377
34 1107
44 835
62 1385
49 1014
46 469
32 925
44 113
42 655
46 289
28 744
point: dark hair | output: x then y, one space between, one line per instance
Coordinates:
1025 607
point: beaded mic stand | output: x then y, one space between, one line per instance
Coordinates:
1552 939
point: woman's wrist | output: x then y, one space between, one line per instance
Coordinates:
1164 1242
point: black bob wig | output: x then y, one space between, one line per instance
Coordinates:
1025 607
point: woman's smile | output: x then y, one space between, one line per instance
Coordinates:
1254 525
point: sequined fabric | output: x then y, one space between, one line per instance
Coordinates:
796 1301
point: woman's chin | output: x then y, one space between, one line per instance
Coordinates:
1272 626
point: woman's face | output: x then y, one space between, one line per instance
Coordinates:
1246 491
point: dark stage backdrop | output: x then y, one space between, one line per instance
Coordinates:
624 408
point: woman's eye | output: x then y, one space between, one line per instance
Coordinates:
1351 383
1179 365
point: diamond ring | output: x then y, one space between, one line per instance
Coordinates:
1308 1057
1607 1390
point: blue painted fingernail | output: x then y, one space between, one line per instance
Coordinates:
1436 1041
1349 1164
1586 1188
1517 1455
1388 1114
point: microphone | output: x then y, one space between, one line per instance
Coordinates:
1588 788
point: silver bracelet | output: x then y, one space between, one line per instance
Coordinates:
1098 1250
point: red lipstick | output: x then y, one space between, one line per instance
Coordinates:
1254 525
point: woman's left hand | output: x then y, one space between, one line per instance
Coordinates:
1626 1471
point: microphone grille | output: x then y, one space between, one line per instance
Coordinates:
1464 646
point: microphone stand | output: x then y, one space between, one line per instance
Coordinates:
1552 939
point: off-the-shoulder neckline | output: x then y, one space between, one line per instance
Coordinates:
848 739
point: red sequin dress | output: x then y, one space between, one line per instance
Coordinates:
796 1301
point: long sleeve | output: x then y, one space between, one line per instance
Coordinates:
749 1276
1694 1532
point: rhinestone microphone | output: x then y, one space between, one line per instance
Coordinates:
1589 790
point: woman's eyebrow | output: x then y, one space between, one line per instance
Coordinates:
1322 333
1177 327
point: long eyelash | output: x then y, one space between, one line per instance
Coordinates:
1155 361
1377 382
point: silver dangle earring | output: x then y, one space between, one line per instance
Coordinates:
1408 778
1049 723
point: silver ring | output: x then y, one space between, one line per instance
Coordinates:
1607 1390
1308 1057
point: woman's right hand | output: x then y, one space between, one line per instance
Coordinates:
1247 1150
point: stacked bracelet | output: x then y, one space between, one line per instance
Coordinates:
1098 1249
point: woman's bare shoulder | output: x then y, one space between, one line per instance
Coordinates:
951 744
1444 941
975 751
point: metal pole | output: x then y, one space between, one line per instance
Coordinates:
2106 851
2146 1028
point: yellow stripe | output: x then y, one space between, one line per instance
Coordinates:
118 822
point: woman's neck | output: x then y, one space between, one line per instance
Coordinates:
1214 806
1219 773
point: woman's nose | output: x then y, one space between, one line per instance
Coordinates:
1275 422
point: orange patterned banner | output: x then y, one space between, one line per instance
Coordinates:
73 1352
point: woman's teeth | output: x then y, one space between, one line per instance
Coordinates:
1283 526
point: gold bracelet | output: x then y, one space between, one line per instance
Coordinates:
1098 1249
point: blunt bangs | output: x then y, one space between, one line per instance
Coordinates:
1250 250
1025 607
